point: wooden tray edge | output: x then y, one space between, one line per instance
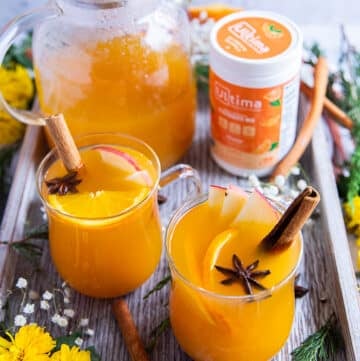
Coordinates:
348 305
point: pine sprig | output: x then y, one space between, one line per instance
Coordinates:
156 332
321 345
26 246
159 286
344 91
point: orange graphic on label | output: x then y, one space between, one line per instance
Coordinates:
271 122
273 95
254 38
272 31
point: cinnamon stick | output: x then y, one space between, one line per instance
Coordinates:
64 142
130 334
321 73
291 222
340 116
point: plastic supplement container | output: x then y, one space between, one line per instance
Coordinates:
255 60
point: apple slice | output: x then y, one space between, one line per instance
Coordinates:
257 209
117 158
235 198
141 177
216 197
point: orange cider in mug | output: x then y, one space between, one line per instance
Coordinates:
104 225
238 296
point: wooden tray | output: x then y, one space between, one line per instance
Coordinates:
326 270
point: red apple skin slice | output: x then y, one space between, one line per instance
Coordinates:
257 209
141 177
118 158
234 201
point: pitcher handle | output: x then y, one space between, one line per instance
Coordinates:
8 34
182 171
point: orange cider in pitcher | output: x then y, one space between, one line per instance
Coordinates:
122 85
231 299
104 226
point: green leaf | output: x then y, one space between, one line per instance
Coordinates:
6 155
274 29
19 54
158 286
202 75
93 354
274 145
67 340
275 103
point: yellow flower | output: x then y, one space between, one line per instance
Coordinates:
16 86
31 343
352 215
18 90
73 354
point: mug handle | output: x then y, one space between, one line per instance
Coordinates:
181 171
8 34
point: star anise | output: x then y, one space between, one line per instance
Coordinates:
63 185
245 275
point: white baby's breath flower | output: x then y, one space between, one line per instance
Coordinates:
21 283
47 296
79 341
301 184
66 300
254 180
33 295
29 308
20 320
55 318
68 312
295 170
44 305
90 332
62 321
84 322
279 180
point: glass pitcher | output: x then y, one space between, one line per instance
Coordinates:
113 66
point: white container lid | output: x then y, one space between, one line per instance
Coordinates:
270 67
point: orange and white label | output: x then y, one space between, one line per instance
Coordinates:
254 38
246 123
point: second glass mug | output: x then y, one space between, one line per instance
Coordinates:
110 256
113 66
225 328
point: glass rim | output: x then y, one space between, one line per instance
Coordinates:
177 215
53 152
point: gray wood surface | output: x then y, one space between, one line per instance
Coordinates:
326 260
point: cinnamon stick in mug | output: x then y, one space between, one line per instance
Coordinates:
291 222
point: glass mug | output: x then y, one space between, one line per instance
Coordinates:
108 256
224 327
113 66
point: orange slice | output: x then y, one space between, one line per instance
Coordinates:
211 276
97 204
